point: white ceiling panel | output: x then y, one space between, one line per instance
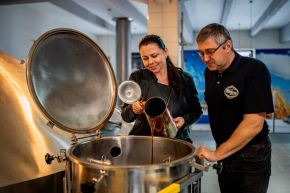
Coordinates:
141 7
70 19
241 13
203 12
280 19
200 13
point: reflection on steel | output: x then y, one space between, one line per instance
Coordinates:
105 162
71 80
25 138
131 169
116 125
129 91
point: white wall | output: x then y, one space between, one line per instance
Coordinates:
20 26
135 42
265 39
108 44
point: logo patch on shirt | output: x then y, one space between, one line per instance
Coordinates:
231 92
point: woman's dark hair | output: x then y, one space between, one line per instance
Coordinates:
174 73
219 33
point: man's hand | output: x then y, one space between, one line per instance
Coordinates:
179 122
206 153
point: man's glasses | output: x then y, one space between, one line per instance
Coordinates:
210 51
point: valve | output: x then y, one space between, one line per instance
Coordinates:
198 164
88 187
218 167
48 158
60 158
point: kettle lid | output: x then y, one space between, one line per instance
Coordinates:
71 80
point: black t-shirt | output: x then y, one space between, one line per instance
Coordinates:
243 88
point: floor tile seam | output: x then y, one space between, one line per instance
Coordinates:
273 158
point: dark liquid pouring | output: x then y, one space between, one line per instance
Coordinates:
153 122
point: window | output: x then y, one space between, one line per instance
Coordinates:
136 62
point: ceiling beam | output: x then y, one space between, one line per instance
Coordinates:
129 10
10 2
188 34
285 33
226 11
142 1
272 9
83 13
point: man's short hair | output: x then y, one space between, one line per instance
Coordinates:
219 33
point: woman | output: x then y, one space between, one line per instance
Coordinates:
161 78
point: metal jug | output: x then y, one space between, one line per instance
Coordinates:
129 91
159 118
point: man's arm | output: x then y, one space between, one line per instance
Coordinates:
251 125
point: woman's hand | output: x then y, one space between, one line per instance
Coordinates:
179 122
138 108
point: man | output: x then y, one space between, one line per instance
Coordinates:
238 95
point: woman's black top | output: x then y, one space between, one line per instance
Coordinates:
184 104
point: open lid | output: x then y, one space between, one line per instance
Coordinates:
71 81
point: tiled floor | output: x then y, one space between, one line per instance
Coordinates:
280 178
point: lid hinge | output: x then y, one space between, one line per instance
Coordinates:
50 124
74 139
